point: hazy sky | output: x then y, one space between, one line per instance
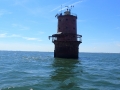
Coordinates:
26 24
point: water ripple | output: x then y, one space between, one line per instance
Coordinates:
41 71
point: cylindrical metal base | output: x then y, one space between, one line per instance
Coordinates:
68 49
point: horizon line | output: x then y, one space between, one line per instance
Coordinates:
53 51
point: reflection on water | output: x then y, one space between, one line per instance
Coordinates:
65 74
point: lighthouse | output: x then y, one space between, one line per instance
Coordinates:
66 40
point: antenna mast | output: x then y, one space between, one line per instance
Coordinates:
69 7
61 8
72 6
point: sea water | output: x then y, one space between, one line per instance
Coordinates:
41 71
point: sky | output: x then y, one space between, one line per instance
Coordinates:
26 24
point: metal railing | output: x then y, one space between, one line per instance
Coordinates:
62 14
55 38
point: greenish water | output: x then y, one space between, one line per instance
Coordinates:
41 71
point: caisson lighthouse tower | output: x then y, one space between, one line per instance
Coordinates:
66 40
